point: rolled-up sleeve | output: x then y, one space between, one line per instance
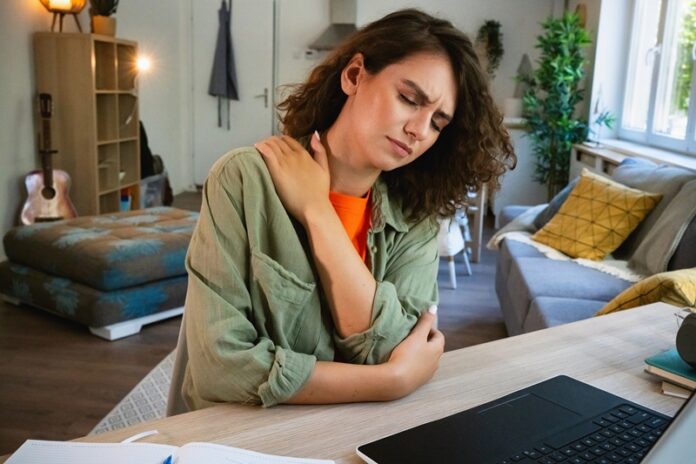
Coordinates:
229 361
408 288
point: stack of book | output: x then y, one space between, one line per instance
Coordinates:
678 378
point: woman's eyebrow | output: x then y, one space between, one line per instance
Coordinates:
423 97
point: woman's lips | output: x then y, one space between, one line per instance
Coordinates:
400 148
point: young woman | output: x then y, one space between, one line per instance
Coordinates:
312 271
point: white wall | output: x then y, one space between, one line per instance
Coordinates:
593 8
300 22
160 28
611 58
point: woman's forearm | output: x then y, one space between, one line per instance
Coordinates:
412 363
334 382
347 282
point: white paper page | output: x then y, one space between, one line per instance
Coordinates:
61 452
210 453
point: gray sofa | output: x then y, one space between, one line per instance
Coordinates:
536 292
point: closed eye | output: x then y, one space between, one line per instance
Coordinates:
407 100
410 102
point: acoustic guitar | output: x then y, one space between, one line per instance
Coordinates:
47 188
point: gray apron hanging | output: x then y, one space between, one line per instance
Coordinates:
223 78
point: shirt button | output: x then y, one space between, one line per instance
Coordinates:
373 249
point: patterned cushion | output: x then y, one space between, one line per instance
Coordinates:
597 216
107 252
676 288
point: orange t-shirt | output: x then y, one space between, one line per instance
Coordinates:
354 213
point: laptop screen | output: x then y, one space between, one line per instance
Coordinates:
677 442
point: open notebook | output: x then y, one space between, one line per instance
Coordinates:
59 452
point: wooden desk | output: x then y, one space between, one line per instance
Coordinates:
606 352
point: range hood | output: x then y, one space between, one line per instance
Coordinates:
343 14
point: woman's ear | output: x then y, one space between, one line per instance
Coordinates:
352 74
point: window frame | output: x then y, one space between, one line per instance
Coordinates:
659 62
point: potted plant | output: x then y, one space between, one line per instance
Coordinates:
552 96
490 39
101 11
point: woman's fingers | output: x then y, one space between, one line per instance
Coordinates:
425 324
267 149
438 338
292 144
319 151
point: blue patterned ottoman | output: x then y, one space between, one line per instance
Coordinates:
113 273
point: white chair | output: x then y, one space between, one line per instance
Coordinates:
452 238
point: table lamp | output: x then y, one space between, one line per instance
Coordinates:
60 8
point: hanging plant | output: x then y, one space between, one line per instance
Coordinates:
553 94
490 36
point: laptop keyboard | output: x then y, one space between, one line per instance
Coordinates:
623 435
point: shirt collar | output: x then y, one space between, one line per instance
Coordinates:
386 211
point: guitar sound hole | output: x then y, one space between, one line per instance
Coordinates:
48 193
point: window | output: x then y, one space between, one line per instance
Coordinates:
660 93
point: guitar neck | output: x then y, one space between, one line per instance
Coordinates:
45 134
46 164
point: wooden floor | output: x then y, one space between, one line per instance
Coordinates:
58 380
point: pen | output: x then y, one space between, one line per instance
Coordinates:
169 460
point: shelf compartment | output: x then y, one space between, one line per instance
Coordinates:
108 166
127 57
104 65
129 197
129 162
127 116
109 202
107 117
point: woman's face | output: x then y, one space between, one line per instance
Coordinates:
397 114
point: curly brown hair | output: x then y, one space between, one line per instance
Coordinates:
473 149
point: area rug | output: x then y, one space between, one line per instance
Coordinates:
147 401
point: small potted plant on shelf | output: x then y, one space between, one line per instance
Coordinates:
101 11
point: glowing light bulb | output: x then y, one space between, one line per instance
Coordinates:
143 63
60 5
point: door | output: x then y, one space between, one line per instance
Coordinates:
251 118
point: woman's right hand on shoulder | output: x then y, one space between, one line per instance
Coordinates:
301 181
414 361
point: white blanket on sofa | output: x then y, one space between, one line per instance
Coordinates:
521 229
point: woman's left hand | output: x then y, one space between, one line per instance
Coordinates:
302 182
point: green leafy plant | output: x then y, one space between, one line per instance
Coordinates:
687 38
604 119
103 7
489 34
552 96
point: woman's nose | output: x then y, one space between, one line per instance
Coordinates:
417 125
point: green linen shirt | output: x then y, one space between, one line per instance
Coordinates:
256 318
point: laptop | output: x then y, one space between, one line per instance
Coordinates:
560 420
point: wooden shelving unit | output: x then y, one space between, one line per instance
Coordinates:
92 79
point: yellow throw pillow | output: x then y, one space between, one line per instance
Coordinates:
596 218
676 288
